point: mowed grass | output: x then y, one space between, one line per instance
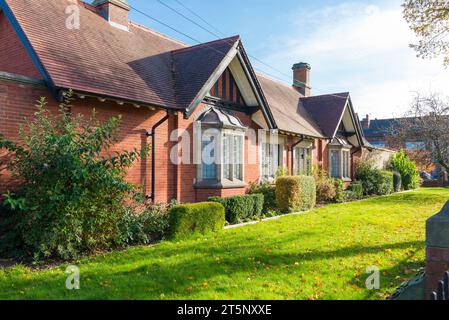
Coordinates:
322 254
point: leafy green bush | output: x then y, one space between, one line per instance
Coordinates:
269 193
296 193
241 208
339 190
325 188
397 181
145 227
72 195
374 181
386 185
401 163
188 219
356 188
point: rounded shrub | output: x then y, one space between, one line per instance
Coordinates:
188 219
375 181
386 185
296 193
339 190
325 191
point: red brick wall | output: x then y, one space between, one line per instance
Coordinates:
13 56
115 13
437 263
17 102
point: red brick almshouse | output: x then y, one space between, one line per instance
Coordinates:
162 86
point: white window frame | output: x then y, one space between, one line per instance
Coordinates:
303 166
220 153
268 164
344 163
234 162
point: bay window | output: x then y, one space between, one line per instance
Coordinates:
340 163
220 162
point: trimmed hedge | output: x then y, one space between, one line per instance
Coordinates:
269 193
241 208
297 193
188 219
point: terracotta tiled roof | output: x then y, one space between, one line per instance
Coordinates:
193 66
143 66
327 111
287 110
139 65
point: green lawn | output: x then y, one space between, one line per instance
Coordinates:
319 255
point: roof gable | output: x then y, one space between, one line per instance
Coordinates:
197 68
227 90
327 111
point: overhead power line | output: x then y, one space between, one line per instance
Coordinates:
194 39
213 33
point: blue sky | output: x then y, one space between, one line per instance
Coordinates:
357 46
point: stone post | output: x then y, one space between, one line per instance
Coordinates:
437 249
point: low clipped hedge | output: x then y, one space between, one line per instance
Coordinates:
188 219
241 208
295 193
269 193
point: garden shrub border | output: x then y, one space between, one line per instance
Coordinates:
189 219
241 208
295 193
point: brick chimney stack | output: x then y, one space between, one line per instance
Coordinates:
116 12
366 123
301 78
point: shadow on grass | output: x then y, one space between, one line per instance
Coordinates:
183 271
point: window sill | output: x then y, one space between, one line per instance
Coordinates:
220 185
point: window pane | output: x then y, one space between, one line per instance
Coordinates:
209 171
335 164
227 158
238 157
270 160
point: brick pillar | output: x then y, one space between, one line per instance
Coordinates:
437 249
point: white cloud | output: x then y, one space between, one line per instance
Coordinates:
363 48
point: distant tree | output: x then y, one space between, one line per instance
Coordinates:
429 19
427 122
